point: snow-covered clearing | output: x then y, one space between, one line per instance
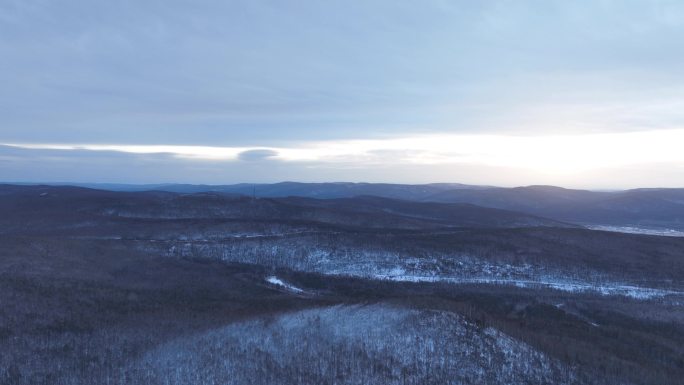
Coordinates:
632 291
638 230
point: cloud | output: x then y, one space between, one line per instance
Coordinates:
257 155
552 154
551 88
189 152
224 74
599 161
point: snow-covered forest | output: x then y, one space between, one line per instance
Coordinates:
162 288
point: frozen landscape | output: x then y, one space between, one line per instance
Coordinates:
340 192
107 287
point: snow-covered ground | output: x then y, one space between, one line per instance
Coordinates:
456 268
638 230
375 344
278 282
575 287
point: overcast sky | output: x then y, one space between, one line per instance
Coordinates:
574 93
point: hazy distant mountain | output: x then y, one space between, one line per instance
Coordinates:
347 190
640 207
46 205
652 208
284 189
661 208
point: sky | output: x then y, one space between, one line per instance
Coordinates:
586 93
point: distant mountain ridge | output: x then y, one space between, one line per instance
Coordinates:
310 190
661 208
639 207
47 206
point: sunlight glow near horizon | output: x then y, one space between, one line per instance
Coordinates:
554 154
577 93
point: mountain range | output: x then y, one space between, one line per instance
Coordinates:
655 208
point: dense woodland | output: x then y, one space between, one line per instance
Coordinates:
92 296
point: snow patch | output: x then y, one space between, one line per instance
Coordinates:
278 282
607 289
638 230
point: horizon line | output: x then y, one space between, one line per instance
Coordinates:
150 184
